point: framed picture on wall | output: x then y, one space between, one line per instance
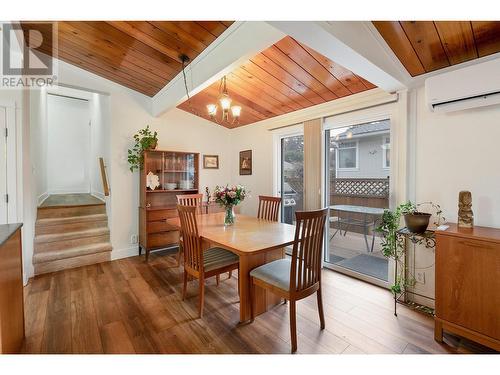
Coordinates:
211 161
245 162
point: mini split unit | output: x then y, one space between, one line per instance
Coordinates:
470 87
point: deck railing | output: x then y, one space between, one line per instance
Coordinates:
368 192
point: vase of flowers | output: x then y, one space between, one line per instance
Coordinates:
228 197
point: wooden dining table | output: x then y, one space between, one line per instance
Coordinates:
255 241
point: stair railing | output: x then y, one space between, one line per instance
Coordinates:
104 177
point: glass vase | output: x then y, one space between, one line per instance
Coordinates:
229 217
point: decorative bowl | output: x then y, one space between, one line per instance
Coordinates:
417 222
170 185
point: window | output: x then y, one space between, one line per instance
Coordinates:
386 152
347 155
292 177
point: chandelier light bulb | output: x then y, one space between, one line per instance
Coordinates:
225 102
212 109
223 105
236 110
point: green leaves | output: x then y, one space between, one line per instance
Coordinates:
144 140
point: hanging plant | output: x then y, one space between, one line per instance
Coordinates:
393 245
144 140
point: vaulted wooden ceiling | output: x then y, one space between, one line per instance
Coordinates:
140 55
425 46
286 77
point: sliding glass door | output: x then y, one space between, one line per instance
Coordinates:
357 175
292 177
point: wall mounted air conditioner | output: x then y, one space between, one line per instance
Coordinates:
474 86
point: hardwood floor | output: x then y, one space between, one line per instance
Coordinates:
129 306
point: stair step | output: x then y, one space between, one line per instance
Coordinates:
67 211
70 220
73 262
53 255
71 226
64 236
49 242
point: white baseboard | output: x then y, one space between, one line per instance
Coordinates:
132 252
99 195
63 191
42 197
125 252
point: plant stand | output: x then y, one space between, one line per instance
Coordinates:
429 241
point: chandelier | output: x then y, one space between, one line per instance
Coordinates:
224 102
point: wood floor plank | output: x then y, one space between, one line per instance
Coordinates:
115 339
57 333
35 315
85 331
133 306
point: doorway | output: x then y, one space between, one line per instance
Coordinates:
3 167
68 145
357 186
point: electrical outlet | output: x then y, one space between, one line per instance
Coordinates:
133 238
420 277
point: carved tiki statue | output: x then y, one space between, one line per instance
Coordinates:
465 215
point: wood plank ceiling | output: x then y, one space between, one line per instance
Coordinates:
425 46
143 56
286 77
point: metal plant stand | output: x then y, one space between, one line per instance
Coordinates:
429 241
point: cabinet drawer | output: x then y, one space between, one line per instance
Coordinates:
159 226
157 215
164 239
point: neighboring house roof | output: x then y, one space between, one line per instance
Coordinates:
366 129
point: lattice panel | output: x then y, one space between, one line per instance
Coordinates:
356 187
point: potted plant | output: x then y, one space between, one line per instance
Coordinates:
393 244
417 221
228 197
144 140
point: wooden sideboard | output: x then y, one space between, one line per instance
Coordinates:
468 284
178 173
11 289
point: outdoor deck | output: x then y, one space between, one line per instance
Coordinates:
350 252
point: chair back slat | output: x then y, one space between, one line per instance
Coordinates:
194 200
269 208
307 249
193 255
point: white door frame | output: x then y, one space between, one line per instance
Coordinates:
289 131
11 163
397 192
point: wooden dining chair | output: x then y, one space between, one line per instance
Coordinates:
269 208
193 200
296 278
201 264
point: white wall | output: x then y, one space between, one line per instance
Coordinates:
39 136
68 145
261 141
459 151
99 140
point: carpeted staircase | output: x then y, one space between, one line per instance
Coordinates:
71 236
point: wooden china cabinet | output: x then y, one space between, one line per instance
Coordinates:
178 173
